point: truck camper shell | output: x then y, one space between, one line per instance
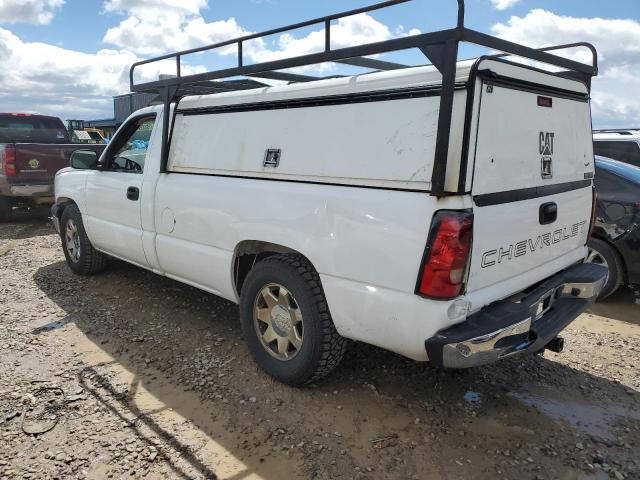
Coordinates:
445 79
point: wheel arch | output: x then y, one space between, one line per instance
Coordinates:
248 253
62 202
65 201
605 239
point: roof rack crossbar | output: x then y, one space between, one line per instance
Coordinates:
372 63
285 76
434 39
386 46
567 46
440 47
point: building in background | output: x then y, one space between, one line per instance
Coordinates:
123 106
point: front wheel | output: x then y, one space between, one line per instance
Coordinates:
601 253
81 257
286 321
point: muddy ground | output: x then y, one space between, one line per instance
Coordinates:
130 375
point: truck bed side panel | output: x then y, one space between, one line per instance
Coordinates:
366 244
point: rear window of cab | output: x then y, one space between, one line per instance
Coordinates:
31 129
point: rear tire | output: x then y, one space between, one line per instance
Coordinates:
286 321
6 209
81 257
602 253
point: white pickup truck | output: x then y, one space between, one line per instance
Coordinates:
440 212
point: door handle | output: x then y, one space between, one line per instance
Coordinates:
133 193
548 213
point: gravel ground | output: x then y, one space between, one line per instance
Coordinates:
130 375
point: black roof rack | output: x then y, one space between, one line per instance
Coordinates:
440 48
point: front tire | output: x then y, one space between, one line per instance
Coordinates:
81 257
6 209
602 253
286 321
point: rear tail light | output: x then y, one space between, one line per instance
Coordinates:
447 256
593 213
8 160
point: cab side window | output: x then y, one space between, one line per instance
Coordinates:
130 153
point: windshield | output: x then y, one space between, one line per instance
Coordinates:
624 170
27 129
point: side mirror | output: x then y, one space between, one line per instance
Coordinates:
84 160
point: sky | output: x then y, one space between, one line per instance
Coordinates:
69 57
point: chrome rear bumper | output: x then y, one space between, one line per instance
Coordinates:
32 190
508 327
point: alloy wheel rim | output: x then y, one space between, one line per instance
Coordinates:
596 257
278 322
72 240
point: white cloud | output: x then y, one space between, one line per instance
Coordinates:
170 31
43 78
40 77
51 79
153 7
355 30
503 4
616 101
157 26
28 11
159 34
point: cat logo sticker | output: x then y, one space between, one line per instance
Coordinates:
546 145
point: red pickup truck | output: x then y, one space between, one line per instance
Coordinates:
32 149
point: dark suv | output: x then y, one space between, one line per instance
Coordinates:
621 145
616 233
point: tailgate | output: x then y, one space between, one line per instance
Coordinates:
37 163
532 181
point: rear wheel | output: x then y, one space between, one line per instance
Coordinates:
601 253
286 321
81 257
6 209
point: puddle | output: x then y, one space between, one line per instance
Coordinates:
595 420
473 398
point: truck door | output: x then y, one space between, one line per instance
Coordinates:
113 193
